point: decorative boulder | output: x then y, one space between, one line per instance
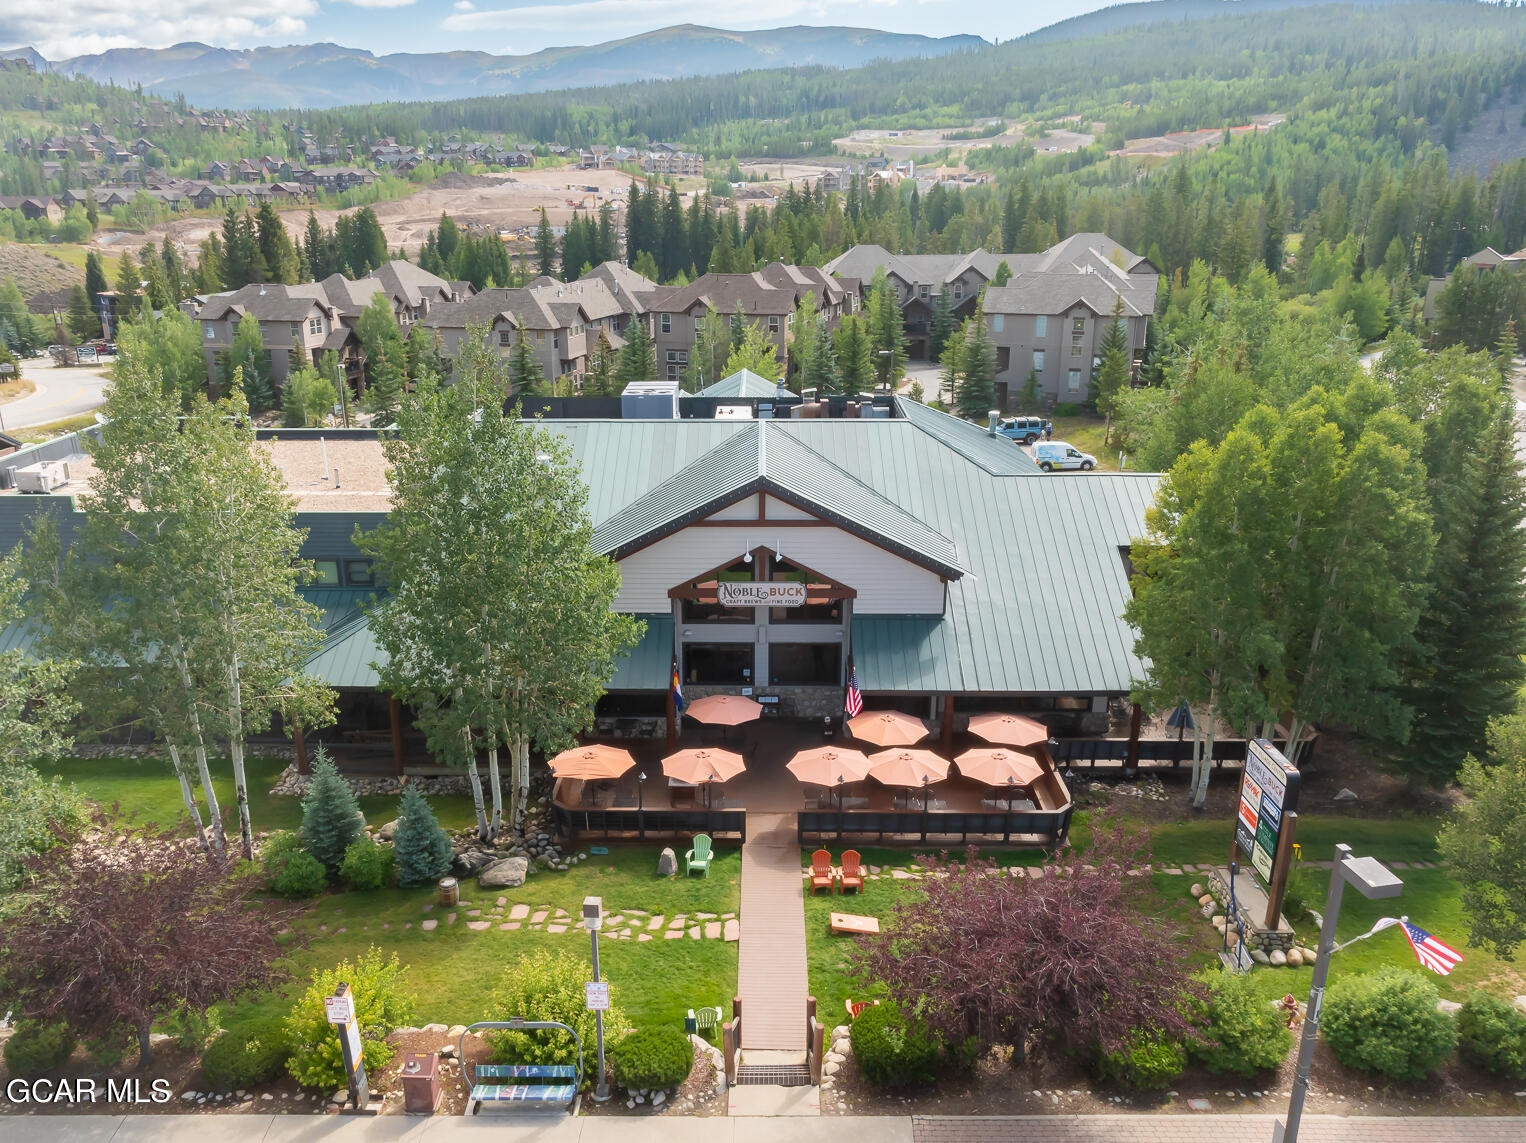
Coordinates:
1278 958
506 874
1197 889
667 864
386 831
471 861
1345 794
1295 958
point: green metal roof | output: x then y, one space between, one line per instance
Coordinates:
746 384
766 456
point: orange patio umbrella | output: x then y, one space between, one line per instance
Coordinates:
1008 730
904 767
889 728
591 762
829 766
703 765
997 767
723 710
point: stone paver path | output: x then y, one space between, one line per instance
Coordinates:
772 975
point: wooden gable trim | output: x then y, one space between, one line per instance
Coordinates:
763 556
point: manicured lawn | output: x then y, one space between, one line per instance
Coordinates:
452 971
145 790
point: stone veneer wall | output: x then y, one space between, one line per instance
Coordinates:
1256 937
794 702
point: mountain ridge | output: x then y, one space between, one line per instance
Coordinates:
330 75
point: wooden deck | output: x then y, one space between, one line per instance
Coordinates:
772 975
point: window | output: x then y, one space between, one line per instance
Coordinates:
997 322
675 372
667 323
556 341
315 325
805 664
679 355
958 291
1038 360
1003 358
325 573
1073 381
505 337
696 327
210 328
358 573
712 664
540 335
1075 349
1041 326
1077 326
773 325
922 292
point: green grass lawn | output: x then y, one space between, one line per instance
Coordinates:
145 790
452 971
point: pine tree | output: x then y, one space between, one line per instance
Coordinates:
421 848
1113 371
127 282
95 277
599 381
942 326
545 246
807 336
331 817
850 345
526 378
1003 274
247 356
821 371
388 373
82 322
712 345
638 360
977 395
887 334
951 377
1274 228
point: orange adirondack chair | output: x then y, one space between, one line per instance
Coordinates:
857 1006
821 871
852 875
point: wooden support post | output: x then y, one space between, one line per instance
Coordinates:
1282 861
810 1020
948 723
1131 763
395 717
736 1007
672 720
729 1045
301 748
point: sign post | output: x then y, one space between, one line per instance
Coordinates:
1266 820
596 992
340 1010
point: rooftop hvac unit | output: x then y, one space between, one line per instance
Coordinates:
44 477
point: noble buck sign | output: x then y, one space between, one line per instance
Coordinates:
761 594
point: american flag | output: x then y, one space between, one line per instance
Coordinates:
854 703
1434 955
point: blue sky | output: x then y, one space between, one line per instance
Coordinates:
60 28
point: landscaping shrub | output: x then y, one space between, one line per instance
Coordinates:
1387 1022
1241 1034
366 865
331 817
29 806
36 1049
191 1029
1491 1036
290 870
548 986
1147 1062
380 1007
1069 409
107 1051
892 1050
651 1059
421 849
247 1056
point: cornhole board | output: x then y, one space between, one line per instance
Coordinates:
853 923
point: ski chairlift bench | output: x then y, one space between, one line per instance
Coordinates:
531 1087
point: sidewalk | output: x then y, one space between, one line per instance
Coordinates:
688 1129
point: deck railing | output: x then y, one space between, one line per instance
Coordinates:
650 823
1039 827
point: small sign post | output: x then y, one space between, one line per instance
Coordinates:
596 995
340 1010
596 991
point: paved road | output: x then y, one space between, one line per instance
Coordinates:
62 392
501 1128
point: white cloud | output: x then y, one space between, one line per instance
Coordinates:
63 28
465 6
378 3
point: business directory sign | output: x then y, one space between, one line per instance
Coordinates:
1268 791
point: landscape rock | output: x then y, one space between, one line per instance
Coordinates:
667 863
469 862
1295 958
1345 794
1278 958
509 873
1197 889
1450 1007
387 831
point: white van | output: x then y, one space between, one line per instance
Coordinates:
1051 455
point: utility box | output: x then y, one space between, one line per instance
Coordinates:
420 1075
649 401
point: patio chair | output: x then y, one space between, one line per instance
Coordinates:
856 1007
852 874
698 857
821 871
702 1020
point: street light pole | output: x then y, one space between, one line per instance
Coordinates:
1373 880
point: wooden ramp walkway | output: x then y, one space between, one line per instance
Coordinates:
771 974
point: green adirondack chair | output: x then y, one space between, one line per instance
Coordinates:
698 857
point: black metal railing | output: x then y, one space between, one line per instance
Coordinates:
1042 827
650 823
1116 750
